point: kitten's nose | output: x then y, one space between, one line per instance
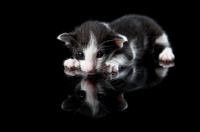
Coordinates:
91 71
90 66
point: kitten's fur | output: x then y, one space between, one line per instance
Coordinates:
95 98
98 46
101 94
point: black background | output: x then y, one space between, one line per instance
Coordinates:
41 89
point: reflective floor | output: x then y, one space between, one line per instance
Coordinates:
99 95
145 93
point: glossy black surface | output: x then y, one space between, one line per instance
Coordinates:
98 95
151 98
67 100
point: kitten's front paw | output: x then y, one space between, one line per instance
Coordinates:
73 72
71 63
166 64
111 76
112 66
166 55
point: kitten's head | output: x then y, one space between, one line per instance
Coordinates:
94 98
92 43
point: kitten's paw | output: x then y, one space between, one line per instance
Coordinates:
71 63
73 72
166 55
166 64
111 76
112 66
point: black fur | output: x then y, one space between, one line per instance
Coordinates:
141 30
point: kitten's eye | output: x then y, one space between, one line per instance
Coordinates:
100 54
101 96
81 95
80 54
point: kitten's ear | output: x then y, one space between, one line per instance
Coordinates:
69 103
122 102
120 39
65 37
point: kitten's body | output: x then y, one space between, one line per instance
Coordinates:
95 98
99 46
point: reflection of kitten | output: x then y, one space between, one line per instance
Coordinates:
99 95
100 46
94 97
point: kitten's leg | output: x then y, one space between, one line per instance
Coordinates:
113 64
128 73
166 56
71 63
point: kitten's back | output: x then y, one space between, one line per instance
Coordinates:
137 26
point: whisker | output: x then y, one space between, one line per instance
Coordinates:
104 108
104 46
77 111
101 44
74 40
106 41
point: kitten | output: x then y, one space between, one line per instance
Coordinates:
101 94
94 97
108 46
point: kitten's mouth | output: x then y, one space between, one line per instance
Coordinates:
91 73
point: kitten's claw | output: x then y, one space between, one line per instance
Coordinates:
71 63
73 72
111 76
166 55
166 64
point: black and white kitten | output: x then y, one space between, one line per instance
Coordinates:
94 97
98 46
101 94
